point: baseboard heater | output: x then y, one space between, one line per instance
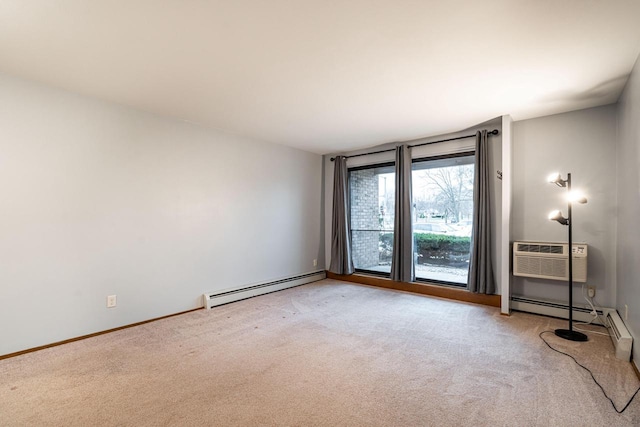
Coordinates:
554 309
225 296
622 340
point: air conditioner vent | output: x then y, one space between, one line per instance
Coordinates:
545 249
549 260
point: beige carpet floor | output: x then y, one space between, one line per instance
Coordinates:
324 354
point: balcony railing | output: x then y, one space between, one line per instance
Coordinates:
438 257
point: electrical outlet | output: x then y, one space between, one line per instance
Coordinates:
315 262
111 301
591 291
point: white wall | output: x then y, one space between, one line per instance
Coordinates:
584 144
425 151
628 191
504 231
99 199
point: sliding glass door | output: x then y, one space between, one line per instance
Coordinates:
443 208
442 190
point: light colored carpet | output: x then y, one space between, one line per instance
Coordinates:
328 353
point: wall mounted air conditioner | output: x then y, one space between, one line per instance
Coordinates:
549 260
622 340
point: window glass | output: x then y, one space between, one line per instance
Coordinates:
372 201
442 190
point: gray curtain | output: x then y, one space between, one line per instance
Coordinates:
341 262
481 279
402 268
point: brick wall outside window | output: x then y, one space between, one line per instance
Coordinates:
365 214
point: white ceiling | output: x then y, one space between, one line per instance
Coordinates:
328 76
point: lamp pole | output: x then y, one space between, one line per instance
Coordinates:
570 334
570 253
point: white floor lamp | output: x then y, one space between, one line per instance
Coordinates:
568 334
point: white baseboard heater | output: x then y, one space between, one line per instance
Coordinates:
622 340
225 296
554 309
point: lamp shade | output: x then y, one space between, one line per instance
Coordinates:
576 197
557 216
556 178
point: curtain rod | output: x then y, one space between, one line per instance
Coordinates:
493 132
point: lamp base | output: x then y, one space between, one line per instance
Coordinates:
571 335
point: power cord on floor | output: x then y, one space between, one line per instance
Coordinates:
589 330
590 373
